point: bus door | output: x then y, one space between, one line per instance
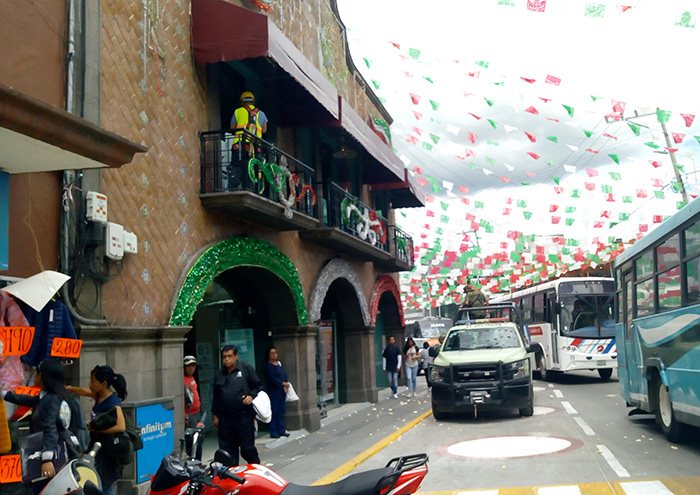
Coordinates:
629 359
552 315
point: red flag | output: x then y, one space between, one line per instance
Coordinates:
412 139
657 183
532 110
531 174
464 200
417 170
605 214
590 186
591 172
558 189
658 218
598 225
417 130
655 164
421 181
643 227
429 198
546 100
533 155
430 213
531 137
688 119
415 98
475 116
418 115
619 106
504 179
641 193
527 80
592 151
552 80
463 189
536 5
677 137
556 220
506 211
470 217
471 137
610 136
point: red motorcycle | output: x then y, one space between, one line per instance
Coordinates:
175 476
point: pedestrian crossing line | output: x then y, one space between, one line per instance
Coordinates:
668 486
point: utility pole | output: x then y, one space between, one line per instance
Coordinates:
673 160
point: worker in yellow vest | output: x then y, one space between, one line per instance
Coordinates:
248 117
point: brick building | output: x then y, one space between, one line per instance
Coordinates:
289 240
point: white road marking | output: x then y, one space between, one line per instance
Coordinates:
557 393
645 488
538 389
508 447
559 490
584 426
613 462
541 411
568 407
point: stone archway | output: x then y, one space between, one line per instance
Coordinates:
385 284
334 270
230 253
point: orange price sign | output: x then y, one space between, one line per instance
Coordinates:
67 348
10 469
16 341
27 390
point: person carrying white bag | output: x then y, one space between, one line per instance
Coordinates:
277 387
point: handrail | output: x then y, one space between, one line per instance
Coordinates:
240 161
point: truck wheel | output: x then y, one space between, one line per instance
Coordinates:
674 431
605 373
438 414
546 375
528 410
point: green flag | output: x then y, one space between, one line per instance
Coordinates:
569 110
615 176
635 128
553 139
662 115
588 133
493 124
489 102
527 215
615 158
444 205
435 105
414 53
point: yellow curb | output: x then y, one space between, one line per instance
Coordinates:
362 457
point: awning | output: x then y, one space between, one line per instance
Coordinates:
38 137
222 32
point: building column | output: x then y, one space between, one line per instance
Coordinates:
297 349
361 376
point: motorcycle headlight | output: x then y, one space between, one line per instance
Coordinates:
438 374
517 369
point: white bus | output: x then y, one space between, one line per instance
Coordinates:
571 324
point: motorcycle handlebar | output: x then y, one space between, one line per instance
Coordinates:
95 449
223 472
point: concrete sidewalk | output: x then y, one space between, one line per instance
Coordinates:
265 443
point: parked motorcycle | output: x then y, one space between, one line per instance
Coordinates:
77 477
190 476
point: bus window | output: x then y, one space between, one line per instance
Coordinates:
645 265
645 298
668 254
538 309
692 239
527 309
587 315
670 289
692 274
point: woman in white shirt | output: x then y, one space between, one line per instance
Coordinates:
411 355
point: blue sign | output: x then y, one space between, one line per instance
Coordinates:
158 436
4 219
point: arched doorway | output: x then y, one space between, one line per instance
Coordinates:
345 371
387 316
242 291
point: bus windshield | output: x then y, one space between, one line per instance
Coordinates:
587 315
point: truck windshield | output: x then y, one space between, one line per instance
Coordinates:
467 339
587 316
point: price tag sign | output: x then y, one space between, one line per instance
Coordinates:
67 348
16 341
27 390
10 469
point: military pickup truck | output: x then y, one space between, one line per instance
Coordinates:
484 363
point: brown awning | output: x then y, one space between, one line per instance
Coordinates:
38 137
222 32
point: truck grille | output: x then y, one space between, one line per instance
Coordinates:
475 373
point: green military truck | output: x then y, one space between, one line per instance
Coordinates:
484 363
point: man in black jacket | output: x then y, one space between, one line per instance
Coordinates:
235 386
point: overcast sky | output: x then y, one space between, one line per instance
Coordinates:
509 98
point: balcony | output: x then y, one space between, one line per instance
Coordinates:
351 227
251 179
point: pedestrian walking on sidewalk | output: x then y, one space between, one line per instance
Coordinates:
412 355
235 386
391 364
426 361
277 385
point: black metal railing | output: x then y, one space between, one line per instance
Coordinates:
243 162
403 245
347 213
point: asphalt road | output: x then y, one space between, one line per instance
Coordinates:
580 436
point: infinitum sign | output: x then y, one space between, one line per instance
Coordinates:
157 434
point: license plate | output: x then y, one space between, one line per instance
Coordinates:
601 363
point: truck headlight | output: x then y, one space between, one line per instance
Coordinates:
437 374
517 369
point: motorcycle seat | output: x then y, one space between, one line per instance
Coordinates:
363 483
